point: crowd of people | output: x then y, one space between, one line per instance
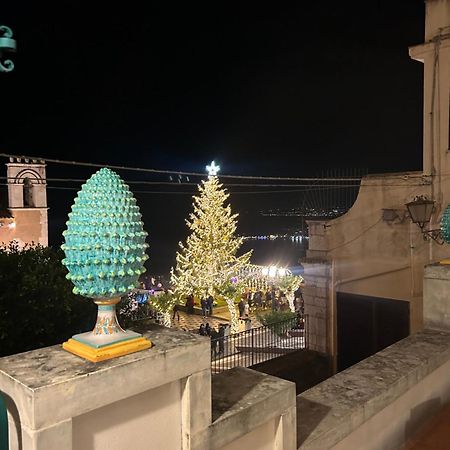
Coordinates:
206 303
272 298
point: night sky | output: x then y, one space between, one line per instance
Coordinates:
277 90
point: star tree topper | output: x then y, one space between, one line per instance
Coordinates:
212 169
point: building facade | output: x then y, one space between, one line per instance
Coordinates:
25 220
364 270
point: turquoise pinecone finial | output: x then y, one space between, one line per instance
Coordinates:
105 239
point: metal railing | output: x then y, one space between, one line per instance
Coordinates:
259 344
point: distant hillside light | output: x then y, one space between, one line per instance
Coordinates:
105 254
7 45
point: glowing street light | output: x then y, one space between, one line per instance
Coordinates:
272 271
212 169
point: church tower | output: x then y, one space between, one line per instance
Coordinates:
27 202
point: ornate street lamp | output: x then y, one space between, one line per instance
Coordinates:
7 44
420 210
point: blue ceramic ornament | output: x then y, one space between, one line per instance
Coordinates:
105 240
105 254
445 225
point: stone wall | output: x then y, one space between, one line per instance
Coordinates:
153 418
386 397
159 398
29 221
30 227
374 248
436 301
316 297
252 410
389 395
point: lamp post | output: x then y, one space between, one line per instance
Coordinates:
7 44
420 210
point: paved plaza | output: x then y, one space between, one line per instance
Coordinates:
192 322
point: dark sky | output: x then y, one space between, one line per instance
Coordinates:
287 89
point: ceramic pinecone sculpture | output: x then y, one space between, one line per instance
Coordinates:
105 240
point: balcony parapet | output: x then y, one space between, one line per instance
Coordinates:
386 396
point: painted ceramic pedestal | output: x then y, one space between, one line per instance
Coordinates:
107 340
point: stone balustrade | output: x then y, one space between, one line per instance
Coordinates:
159 398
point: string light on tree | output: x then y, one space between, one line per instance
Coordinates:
207 262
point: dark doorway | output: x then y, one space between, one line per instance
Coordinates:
28 201
366 325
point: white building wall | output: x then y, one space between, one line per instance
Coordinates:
369 254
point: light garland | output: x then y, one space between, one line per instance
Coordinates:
207 261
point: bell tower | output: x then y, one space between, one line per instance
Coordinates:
27 200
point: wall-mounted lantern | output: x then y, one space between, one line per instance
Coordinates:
420 211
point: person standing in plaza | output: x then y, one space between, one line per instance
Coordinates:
190 304
221 338
300 305
268 298
210 304
176 311
258 299
241 307
273 298
214 341
282 300
204 305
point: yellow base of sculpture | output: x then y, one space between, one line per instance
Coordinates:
445 261
108 351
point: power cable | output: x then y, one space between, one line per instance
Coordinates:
183 183
174 184
189 193
356 237
167 172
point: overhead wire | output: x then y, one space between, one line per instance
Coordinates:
183 183
189 193
315 184
162 171
197 174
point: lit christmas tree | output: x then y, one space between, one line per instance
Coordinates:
208 261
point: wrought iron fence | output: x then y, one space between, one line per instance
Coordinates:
259 344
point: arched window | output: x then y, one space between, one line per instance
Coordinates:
28 201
